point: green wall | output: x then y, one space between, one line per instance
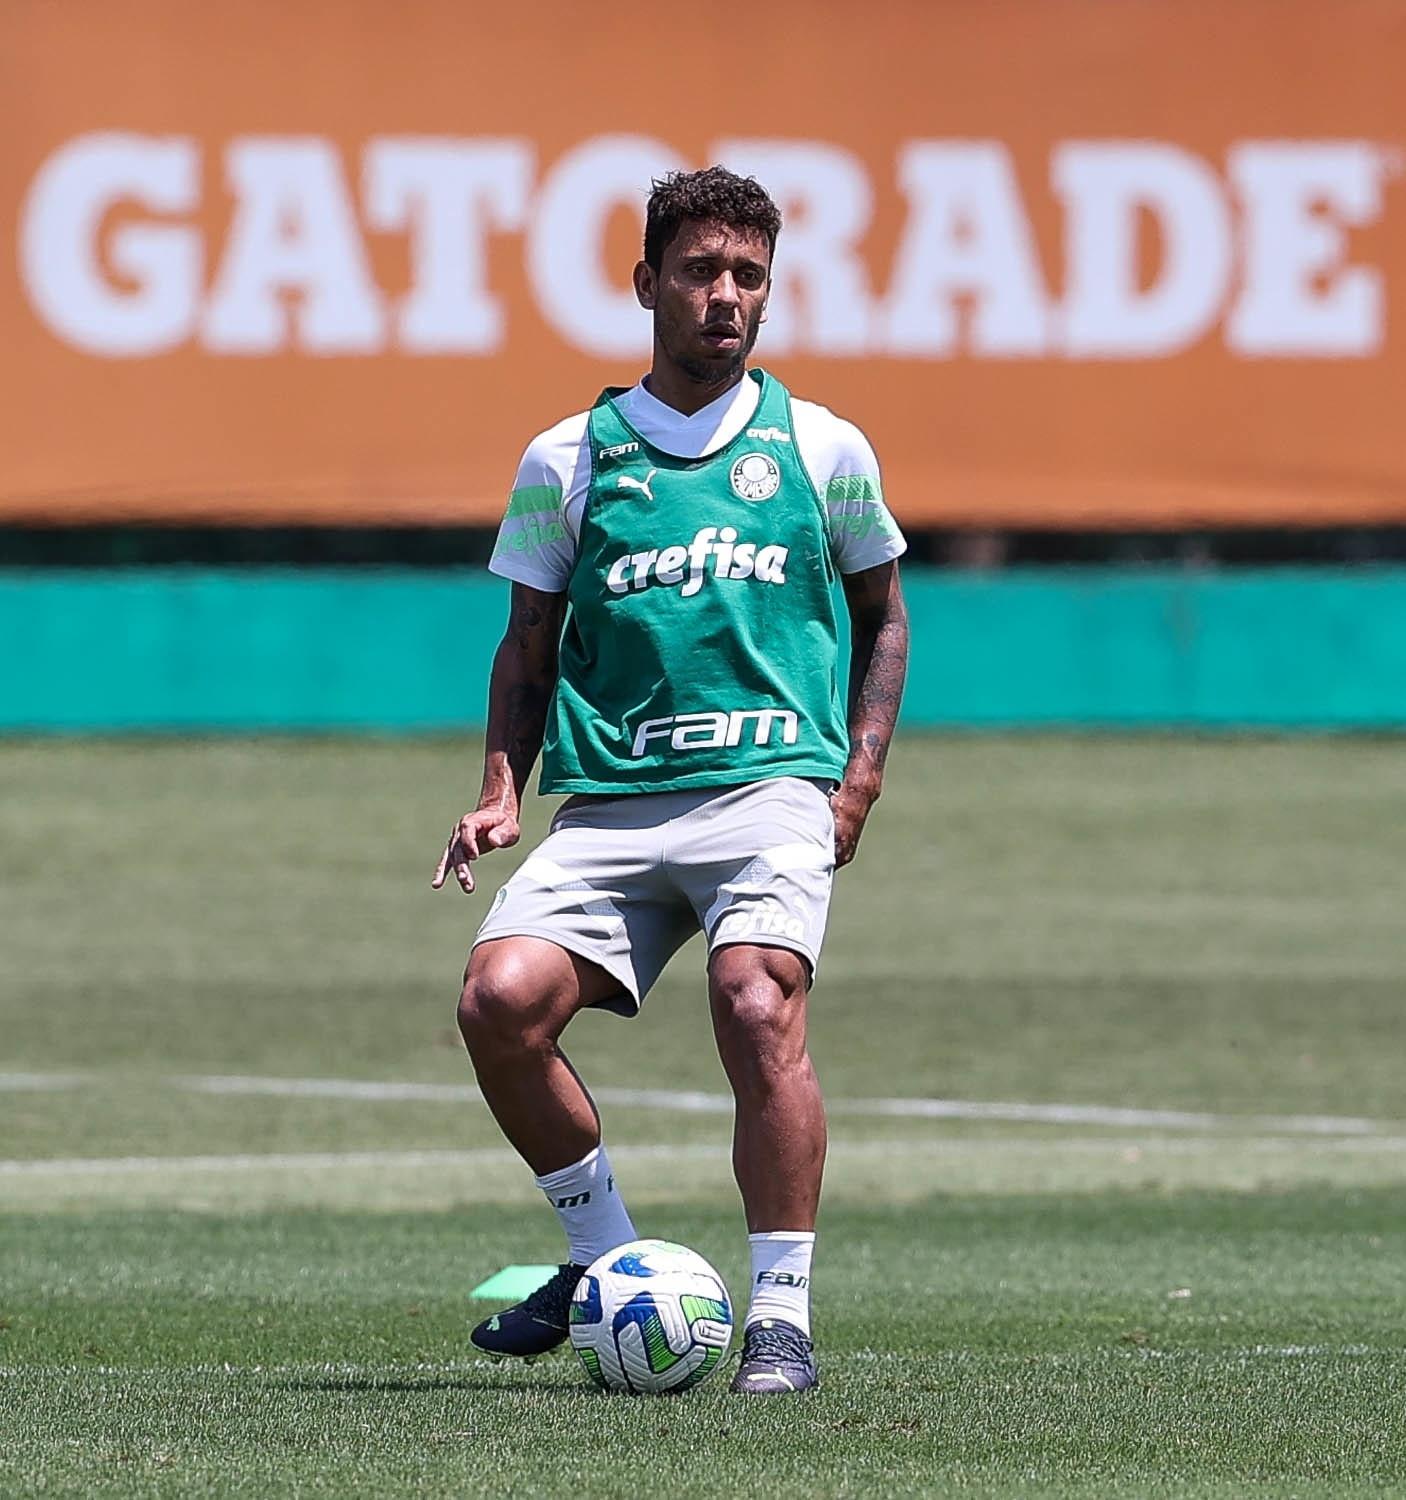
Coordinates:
184 649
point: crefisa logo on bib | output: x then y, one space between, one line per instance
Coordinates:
755 477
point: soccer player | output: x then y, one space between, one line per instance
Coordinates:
671 650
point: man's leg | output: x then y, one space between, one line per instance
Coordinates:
758 999
519 994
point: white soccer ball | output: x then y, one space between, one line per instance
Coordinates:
650 1317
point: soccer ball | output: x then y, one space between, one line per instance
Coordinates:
650 1317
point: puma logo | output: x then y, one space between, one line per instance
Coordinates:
628 482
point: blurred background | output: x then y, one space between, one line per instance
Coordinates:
1114 289
1109 1018
1117 292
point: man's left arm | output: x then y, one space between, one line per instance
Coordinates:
878 665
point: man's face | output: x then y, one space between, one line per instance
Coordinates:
708 298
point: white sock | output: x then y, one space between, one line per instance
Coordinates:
591 1211
781 1277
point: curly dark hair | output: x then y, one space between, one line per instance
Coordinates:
712 196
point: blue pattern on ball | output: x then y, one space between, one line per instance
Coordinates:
631 1264
587 1301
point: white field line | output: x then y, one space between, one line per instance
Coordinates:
1133 1152
318 1161
332 1088
674 1101
694 1102
1100 1114
685 1102
40 1083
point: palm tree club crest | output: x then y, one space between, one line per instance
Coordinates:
755 477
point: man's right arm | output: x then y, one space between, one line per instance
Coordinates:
520 692
519 695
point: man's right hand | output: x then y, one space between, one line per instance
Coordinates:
475 833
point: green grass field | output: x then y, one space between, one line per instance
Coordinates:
218 1277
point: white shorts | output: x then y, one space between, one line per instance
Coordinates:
625 881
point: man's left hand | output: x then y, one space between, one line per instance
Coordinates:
850 806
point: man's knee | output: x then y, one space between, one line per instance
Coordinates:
759 1004
505 1006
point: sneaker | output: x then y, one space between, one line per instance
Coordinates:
777 1358
533 1326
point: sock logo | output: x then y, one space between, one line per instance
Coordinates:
574 1200
610 1183
782 1278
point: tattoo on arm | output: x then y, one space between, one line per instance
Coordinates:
526 726
878 666
520 693
523 619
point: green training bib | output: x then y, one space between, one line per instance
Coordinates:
701 639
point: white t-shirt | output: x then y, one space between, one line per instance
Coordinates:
538 538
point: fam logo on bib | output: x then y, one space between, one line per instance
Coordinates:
755 477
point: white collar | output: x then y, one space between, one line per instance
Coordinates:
704 431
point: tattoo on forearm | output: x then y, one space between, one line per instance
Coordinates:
526 725
876 747
879 664
520 694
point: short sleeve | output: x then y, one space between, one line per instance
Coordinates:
537 541
843 465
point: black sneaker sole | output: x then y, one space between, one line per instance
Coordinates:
508 1353
519 1359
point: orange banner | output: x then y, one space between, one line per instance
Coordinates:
1068 262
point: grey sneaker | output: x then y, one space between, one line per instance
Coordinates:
777 1360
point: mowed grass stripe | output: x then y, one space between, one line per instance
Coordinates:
910 1150
314 1160
695 1102
875 1172
1155 923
